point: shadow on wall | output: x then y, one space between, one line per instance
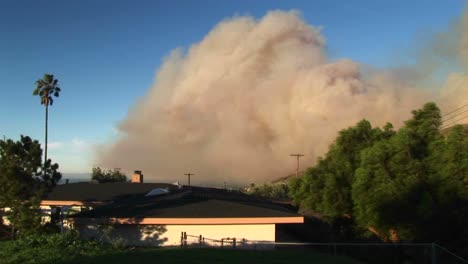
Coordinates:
118 235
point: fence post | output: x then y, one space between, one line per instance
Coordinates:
183 239
433 253
234 242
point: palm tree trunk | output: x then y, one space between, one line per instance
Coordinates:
46 125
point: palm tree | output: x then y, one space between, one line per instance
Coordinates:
45 89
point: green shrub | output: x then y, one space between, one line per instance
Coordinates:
50 248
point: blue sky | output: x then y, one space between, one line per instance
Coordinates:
105 54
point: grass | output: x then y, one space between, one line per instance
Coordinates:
210 255
79 252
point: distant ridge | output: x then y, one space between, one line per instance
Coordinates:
285 179
74 177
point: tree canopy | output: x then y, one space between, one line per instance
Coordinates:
46 89
326 187
103 175
409 184
24 180
275 191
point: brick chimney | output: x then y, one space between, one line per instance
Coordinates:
137 177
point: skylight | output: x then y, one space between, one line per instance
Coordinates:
157 191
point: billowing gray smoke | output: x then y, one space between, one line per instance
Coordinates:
235 105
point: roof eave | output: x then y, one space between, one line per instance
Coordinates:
192 221
71 203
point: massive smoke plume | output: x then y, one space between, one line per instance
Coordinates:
235 105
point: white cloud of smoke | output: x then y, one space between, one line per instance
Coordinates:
235 105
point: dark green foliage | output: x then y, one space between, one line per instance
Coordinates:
103 176
273 191
55 248
326 187
449 157
412 183
69 249
388 191
448 178
24 180
404 185
46 89
307 190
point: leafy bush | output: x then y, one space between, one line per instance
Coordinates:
50 249
273 191
103 175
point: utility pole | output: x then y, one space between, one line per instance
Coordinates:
297 156
188 175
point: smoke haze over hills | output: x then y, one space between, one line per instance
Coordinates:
235 105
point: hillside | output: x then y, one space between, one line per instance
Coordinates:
286 178
445 131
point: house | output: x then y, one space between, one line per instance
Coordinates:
69 199
187 215
166 214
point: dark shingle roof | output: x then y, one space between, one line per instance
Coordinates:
191 202
84 191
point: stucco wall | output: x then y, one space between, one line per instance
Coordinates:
170 235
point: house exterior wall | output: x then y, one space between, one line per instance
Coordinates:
170 235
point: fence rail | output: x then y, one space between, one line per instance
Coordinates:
430 253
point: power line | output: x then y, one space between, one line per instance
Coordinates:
454 122
453 111
455 115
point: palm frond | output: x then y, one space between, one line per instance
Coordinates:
48 78
46 88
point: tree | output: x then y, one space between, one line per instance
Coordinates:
448 178
276 191
392 192
405 185
326 188
46 89
306 191
449 156
103 176
24 181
